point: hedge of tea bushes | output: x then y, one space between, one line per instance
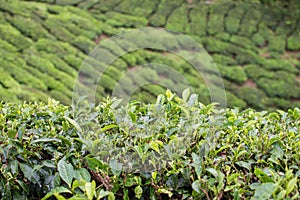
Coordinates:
172 149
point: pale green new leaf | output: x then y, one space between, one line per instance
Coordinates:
56 191
90 189
291 185
74 123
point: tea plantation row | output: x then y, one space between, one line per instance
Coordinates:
255 47
172 149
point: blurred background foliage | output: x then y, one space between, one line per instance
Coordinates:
255 44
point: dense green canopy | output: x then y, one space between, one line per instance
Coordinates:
172 149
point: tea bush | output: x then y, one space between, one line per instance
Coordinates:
234 73
13 36
192 151
293 42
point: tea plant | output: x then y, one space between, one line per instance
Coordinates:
176 148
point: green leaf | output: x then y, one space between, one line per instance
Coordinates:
213 172
45 140
56 191
152 194
186 94
154 145
246 165
66 171
264 191
102 193
263 177
111 196
82 174
11 133
289 174
169 94
192 100
14 166
197 164
164 191
108 127
116 167
281 194
94 163
29 173
78 183
232 177
291 185
116 103
49 163
196 185
74 123
23 185
138 191
78 197
59 197
130 181
65 140
125 194
57 180
154 175
90 189
132 116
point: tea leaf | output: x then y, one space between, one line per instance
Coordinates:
138 191
90 188
186 94
116 167
66 171
82 174
74 123
264 191
291 185
56 191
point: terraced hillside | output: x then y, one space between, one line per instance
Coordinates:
256 48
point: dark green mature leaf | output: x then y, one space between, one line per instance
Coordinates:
29 173
246 165
82 174
197 186
66 171
14 166
94 163
264 191
263 177
197 164
116 167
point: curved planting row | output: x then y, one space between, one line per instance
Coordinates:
255 47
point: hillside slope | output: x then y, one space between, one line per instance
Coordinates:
43 44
